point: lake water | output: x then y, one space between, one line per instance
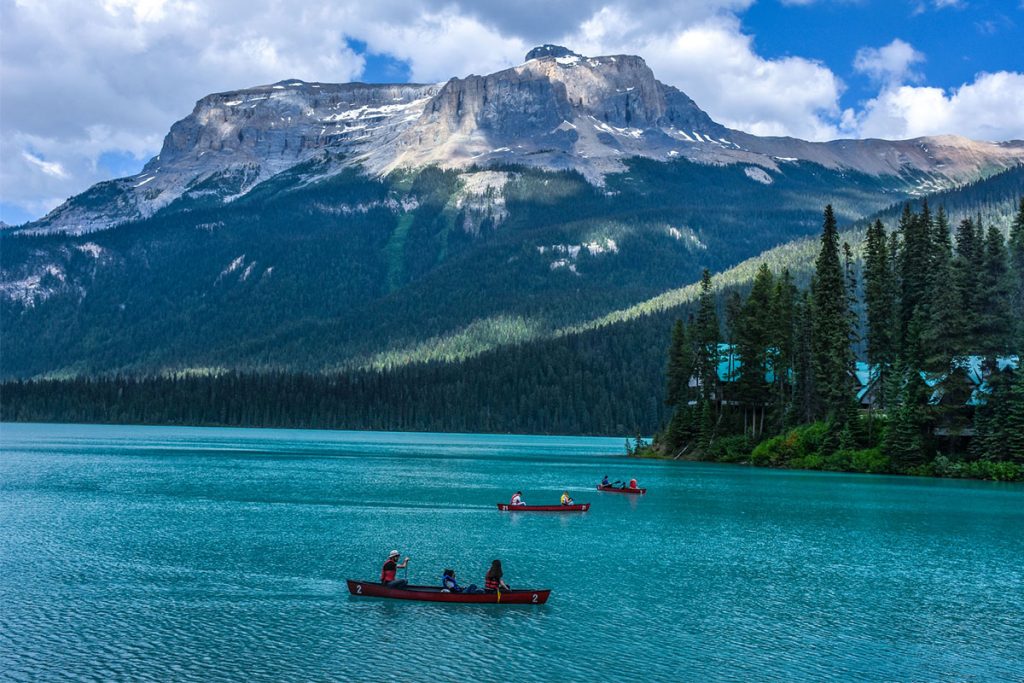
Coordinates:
147 553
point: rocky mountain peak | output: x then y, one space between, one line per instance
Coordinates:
549 50
558 110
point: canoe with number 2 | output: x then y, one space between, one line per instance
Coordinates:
582 507
372 589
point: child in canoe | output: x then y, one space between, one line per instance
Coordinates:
566 500
450 585
493 581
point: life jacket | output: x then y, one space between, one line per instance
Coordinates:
632 483
566 500
387 574
450 583
516 499
491 584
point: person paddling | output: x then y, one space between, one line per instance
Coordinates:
390 569
605 483
493 582
566 500
517 498
632 483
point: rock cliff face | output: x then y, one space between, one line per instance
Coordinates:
558 110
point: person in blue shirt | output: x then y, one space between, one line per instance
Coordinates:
605 482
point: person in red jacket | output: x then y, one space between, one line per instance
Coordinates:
632 484
390 569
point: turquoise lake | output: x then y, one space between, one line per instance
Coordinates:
191 554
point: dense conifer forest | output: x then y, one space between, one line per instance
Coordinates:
940 389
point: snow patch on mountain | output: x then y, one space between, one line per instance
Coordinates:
758 174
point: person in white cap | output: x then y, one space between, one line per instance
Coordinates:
390 569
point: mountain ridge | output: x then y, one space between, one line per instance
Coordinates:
556 111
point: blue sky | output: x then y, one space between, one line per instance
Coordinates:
89 88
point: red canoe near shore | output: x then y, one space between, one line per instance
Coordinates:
615 489
372 589
505 507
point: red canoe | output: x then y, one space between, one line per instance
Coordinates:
372 589
505 507
615 489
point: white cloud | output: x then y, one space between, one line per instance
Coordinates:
892 63
50 168
716 64
80 78
989 108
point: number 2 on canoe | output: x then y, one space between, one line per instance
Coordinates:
535 598
359 589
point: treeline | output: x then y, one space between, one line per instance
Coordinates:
941 390
582 384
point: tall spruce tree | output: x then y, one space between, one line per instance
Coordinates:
808 404
680 366
994 313
782 353
880 305
915 231
753 343
706 334
904 441
830 331
965 267
1016 249
945 315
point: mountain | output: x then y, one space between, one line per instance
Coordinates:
559 110
317 227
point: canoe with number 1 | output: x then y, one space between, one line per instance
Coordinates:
581 507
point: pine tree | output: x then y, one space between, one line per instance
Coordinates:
753 341
807 403
1013 427
680 366
938 347
830 332
965 269
913 261
783 347
880 302
1016 249
705 338
995 326
904 442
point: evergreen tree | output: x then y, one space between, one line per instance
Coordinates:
965 284
1013 427
904 442
994 314
782 351
938 343
753 343
880 305
806 394
914 258
680 366
830 332
1016 249
705 337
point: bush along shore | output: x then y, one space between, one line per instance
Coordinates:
907 361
